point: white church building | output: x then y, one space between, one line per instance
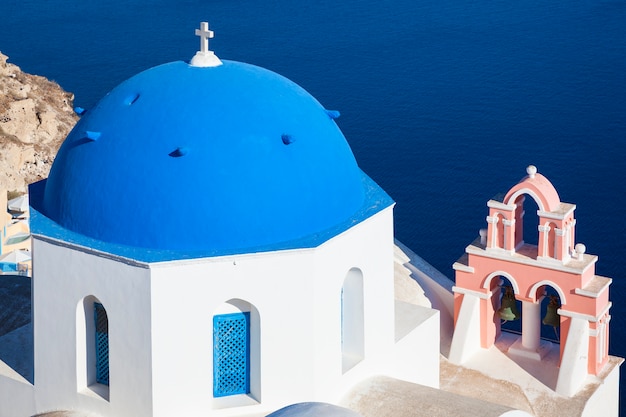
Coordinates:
206 245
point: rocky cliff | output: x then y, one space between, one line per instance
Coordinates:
35 116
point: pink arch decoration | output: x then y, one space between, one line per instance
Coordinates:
490 277
532 292
537 187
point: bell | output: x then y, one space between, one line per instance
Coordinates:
552 318
508 309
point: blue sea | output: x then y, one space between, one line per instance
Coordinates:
444 102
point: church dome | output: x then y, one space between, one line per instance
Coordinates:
216 158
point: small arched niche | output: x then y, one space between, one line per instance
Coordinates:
352 320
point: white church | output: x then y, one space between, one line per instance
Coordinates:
207 245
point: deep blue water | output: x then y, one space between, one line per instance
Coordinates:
444 102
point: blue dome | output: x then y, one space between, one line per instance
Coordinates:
204 159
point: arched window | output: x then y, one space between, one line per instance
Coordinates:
101 324
236 353
352 320
92 347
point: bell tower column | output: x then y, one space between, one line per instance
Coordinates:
543 242
509 234
531 327
529 345
492 233
561 251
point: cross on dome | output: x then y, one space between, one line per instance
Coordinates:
205 57
205 34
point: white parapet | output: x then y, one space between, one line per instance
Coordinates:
573 371
466 339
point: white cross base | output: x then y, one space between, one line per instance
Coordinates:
205 57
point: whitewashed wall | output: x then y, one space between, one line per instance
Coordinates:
161 326
297 295
64 276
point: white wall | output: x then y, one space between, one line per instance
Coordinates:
17 395
161 325
368 247
605 400
297 295
416 353
186 296
64 276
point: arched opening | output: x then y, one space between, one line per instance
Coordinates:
92 346
540 320
530 221
509 310
551 321
236 350
518 227
352 320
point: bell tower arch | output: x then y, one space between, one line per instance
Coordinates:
581 297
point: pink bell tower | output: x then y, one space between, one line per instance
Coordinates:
556 261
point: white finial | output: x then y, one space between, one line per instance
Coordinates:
531 170
204 57
483 236
580 250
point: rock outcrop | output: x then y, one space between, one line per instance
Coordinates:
35 116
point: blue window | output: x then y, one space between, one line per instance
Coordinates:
231 354
102 344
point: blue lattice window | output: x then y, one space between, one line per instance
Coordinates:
231 354
102 344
